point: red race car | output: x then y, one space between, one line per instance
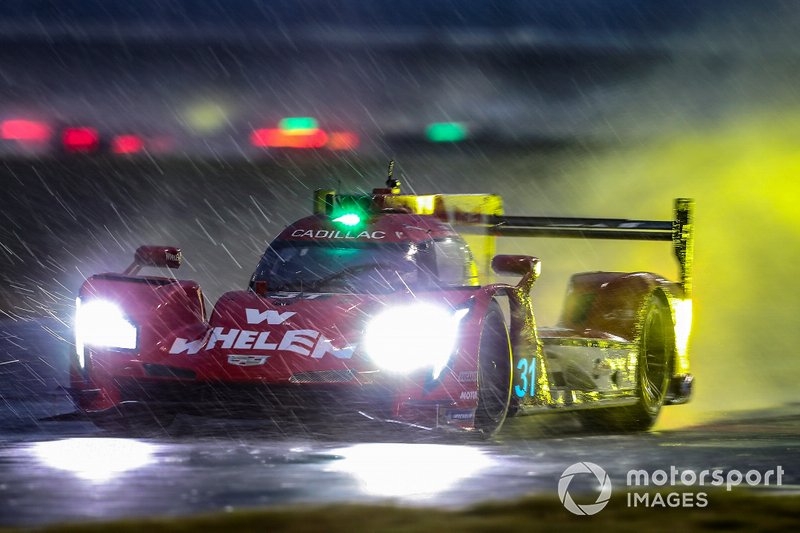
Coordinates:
384 304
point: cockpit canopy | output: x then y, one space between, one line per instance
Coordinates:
336 266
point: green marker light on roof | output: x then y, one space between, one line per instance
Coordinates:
298 123
348 219
443 132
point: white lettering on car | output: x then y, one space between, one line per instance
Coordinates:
190 347
468 377
294 341
332 234
305 342
273 318
295 295
324 346
245 340
226 338
262 344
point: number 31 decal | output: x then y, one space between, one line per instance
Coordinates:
527 373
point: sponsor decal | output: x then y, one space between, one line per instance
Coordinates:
335 234
271 317
305 342
247 360
467 217
468 377
459 415
295 295
469 395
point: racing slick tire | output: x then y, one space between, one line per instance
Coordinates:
494 373
656 351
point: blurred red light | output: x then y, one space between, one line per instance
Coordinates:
83 140
276 138
263 137
343 140
24 130
127 144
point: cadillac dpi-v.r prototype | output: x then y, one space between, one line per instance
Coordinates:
384 305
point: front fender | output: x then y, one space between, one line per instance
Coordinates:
525 344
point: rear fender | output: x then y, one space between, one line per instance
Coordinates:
611 301
614 302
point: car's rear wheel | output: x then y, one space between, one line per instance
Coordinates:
494 373
656 350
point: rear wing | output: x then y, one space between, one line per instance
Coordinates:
679 230
480 219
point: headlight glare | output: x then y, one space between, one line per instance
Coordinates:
102 323
406 338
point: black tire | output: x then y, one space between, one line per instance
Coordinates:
656 351
494 373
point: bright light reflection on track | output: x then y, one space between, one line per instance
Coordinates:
409 470
94 459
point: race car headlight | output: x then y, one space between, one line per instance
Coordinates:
406 338
101 323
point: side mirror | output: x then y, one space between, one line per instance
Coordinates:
158 256
527 266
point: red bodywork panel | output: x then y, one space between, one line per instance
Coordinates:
607 304
305 340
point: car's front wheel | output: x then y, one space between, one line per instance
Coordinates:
494 373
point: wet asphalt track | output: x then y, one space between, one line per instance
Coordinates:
55 467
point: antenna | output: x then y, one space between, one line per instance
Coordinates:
392 183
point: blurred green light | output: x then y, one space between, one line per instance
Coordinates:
298 123
443 132
349 219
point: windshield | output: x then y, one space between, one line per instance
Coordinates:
348 267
